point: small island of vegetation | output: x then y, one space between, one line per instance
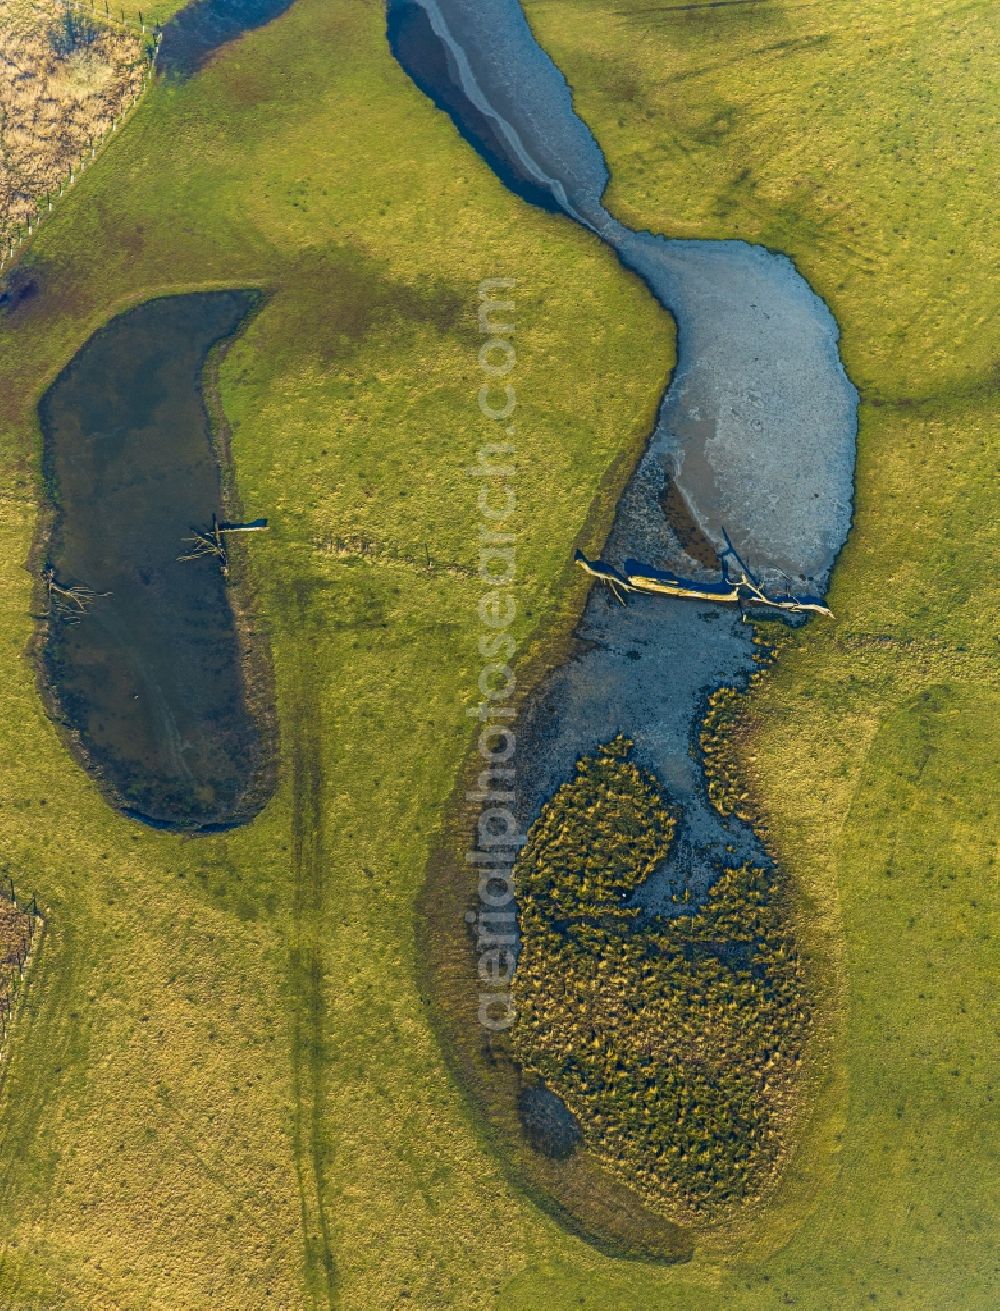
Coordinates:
673 1040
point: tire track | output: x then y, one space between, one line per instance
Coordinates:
306 962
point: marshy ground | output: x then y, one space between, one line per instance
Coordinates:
227 1073
674 1041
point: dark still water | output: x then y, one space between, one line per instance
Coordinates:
147 674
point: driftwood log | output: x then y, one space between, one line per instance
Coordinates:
738 586
76 597
213 542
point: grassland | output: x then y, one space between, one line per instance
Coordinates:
225 1090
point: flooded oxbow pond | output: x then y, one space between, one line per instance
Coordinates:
142 658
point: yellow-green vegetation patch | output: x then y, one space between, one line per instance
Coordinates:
726 727
673 1041
723 778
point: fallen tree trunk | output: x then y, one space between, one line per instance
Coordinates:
213 543
76 596
744 590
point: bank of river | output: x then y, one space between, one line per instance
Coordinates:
754 438
754 444
142 659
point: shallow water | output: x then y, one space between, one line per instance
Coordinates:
149 675
755 435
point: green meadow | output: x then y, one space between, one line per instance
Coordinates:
224 1088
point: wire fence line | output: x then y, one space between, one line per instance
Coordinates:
21 926
101 14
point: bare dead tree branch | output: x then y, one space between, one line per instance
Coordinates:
75 598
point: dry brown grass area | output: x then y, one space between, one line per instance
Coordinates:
17 930
65 75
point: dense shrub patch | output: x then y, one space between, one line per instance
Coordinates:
673 1041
